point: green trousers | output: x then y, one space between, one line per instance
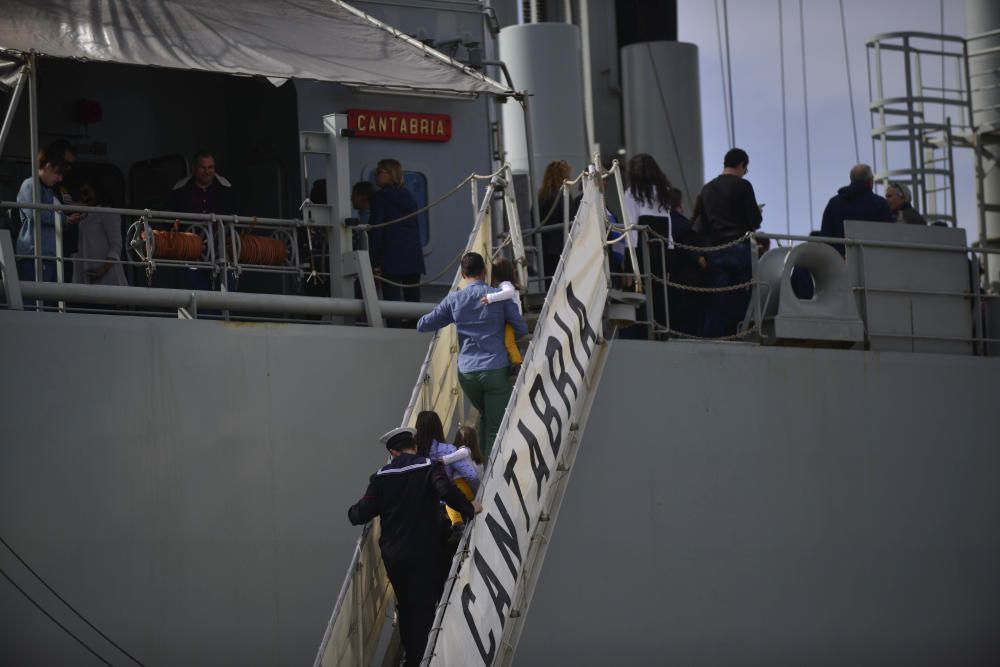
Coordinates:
488 391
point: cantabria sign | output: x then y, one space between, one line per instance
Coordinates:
491 591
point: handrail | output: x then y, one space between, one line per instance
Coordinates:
876 244
239 301
171 215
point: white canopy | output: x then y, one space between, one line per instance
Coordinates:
324 40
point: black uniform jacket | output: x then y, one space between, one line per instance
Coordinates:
406 493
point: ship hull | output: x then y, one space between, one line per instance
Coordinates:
184 484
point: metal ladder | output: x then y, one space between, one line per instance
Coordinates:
918 121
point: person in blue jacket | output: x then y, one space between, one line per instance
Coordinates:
51 165
396 252
856 201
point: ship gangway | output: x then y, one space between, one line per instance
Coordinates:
499 559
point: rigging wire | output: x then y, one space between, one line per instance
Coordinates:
850 87
784 114
943 106
63 600
722 71
670 125
729 72
53 619
805 104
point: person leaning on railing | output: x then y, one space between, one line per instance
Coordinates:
855 201
51 165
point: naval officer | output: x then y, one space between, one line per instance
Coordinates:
406 494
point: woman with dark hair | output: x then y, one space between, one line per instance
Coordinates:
429 440
647 202
552 214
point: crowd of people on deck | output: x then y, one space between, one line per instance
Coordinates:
698 263
697 258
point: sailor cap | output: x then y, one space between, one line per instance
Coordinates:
399 438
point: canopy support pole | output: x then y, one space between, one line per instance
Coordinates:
36 218
338 194
15 99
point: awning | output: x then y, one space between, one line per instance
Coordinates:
324 40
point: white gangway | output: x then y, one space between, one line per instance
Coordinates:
486 597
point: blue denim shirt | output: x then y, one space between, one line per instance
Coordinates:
26 236
480 328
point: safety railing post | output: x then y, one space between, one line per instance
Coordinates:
755 287
648 275
977 306
60 269
666 286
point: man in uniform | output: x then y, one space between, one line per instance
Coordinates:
406 494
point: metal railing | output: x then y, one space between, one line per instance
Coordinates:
654 277
222 239
656 272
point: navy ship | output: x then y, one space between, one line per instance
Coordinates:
177 462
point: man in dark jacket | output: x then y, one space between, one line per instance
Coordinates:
727 210
204 191
406 495
856 201
396 252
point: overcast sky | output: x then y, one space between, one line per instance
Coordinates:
756 71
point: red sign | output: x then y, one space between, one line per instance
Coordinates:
399 125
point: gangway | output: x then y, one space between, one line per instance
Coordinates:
496 567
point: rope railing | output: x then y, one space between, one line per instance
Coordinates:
427 281
465 181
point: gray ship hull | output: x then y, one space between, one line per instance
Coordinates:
185 483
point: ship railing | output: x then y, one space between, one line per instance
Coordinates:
655 276
223 248
983 339
182 303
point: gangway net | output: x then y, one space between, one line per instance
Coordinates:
493 575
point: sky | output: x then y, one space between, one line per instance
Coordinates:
756 83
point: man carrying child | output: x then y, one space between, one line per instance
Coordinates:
482 358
